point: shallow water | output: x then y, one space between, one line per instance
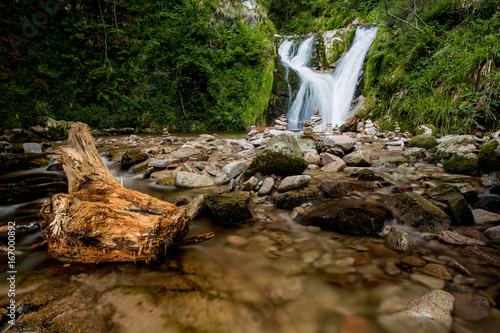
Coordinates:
288 278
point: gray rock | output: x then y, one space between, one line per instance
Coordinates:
31 147
360 158
230 171
296 198
453 145
163 163
267 186
430 313
457 208
468 191
344 142
415 211
336 166
482 216
390 161
251 183
6 147
192 154
191 180
399 240
451 237
490 179
312 156
493 233
327 158
294 182
415 154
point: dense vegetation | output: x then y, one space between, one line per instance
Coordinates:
432 62
185 64
199 65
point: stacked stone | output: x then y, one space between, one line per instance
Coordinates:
167 138
370 128
377 126
328 130
253 134
360 127
309 132
479 136
336 130
281 123
393 140
397 130
316 121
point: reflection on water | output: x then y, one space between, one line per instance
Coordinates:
263 277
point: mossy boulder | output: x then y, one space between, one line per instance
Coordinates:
296 198
426 129
229 209
282 157
488 158
6 147
453 145
457 208
132 157
367 175
140 168
166 181
16 162
57 129
423 141
352 217
462 164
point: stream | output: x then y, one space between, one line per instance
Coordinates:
273 275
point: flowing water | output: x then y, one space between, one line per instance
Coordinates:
331 93
285 277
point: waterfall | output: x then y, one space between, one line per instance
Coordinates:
331 93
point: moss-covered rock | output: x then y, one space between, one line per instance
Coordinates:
341 188
282 157
296 198
230 209
462 164
167 181
132 157
426 129
367 175
16 162
423 141
57 129
457 208
488 158
140 168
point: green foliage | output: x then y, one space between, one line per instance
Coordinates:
185 65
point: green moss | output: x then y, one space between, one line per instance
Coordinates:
230 209
367 175
489 157
275 162
462 164
423 141
167 181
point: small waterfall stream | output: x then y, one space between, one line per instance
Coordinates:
331 93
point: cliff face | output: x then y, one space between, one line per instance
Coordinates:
185 65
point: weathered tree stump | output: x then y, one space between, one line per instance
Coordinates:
351 122
101 221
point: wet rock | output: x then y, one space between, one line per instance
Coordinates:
206 138
229 209
211 170
463 280
192 154
490 179
236 241
335 166
428 281
17 162
55 167
344 280
294 182
32 148
490 204
436 270
451 237
312 156
140 168
354 324
166 181
191 180
267 186
359 158
423 141
411 261
487 255
488 158
493 233
471 307
341 188
348 216
132 157
367 175
462 164
251 183
165 173
344 142
191 168
296 198
452 145
416 154
230 171
390 161
399 240
163 163
401 189
468 191
327 158
282 157
430 313
415 211
310 144
458 209
476 234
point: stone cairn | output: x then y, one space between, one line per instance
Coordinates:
309 132
393 140
316 121
281 123
336 130
479 136
370 128
167 138
328 130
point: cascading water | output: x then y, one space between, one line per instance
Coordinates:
331 93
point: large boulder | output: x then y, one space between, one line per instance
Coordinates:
415 211
488 158
464 164
132 157
352 217
230 209
359 158
342 188
230 171
458 209
344 142
282 157
192 180
423 141
192 154
296 198
453 145
57 129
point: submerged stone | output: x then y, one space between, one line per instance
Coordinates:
296 198
458 209
230 209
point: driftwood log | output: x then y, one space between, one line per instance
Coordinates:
101 221
351 122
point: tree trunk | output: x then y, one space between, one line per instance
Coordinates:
101 221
